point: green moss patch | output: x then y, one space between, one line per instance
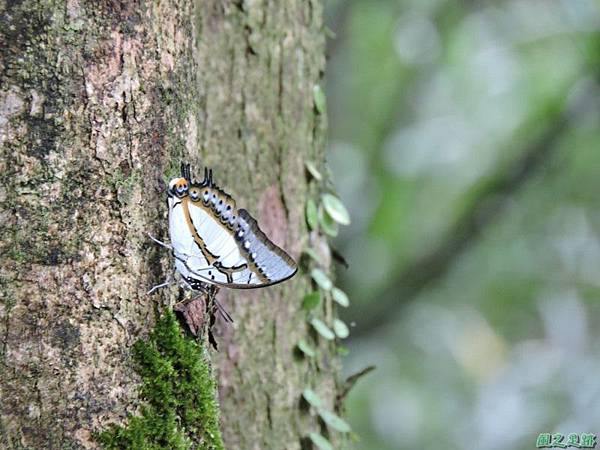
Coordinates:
180 410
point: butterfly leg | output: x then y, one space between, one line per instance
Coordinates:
161 243
211 308
159 286
215 305
170 280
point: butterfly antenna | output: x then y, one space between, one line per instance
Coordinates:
224 314
212 296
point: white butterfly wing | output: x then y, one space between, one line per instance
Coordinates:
268 263
189 259
217 237
217 244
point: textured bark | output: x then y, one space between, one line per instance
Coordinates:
99 102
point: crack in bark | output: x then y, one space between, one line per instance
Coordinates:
6 333
269 417
280 81
282 191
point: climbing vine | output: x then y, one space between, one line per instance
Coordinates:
324 213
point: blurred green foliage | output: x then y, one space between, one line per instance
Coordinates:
465 142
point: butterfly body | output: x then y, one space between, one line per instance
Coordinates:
216 243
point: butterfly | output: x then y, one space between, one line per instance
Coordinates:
217 244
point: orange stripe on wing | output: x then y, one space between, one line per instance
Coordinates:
210 258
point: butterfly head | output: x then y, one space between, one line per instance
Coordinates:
178 187
184 185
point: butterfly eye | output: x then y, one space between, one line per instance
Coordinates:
182 187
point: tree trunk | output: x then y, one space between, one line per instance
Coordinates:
99 103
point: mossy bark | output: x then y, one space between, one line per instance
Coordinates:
99 102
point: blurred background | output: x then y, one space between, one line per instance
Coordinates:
465 141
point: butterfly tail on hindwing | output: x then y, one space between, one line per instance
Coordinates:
186 172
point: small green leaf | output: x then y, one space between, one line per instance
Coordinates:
312 216
340 297
328 225
321 279
319 99
342 351
305 348
320 441
311 300
312 169
310 252
312 398
322 329
336 209
341 329
334 421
